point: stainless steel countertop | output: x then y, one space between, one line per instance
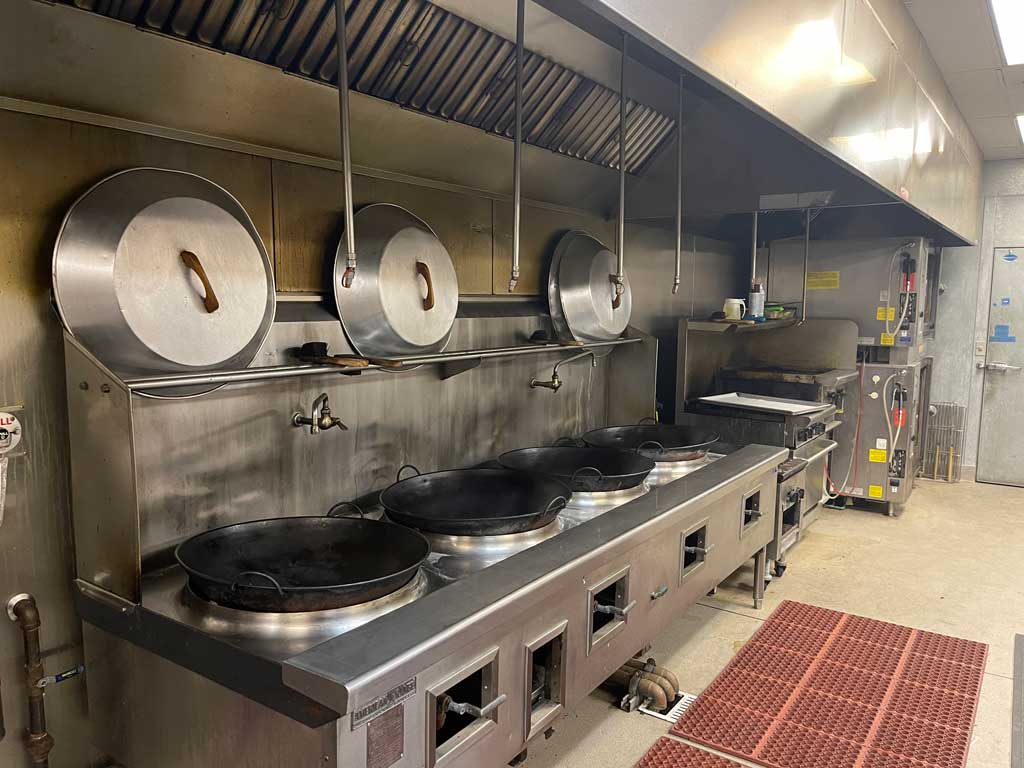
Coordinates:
347 671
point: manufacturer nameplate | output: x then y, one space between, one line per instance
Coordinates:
382 704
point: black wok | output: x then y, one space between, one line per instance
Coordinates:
583 469
301 563
476 502
661 442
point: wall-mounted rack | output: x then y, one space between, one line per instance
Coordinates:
452 363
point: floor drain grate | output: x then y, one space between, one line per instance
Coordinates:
674 712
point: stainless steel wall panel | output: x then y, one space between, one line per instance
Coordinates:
151 713
711 271
233 455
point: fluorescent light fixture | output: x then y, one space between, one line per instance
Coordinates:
1020 126
1009 15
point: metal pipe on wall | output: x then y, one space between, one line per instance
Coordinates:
679 189
753 249
346 157
619 277
22 609
517 144
807 256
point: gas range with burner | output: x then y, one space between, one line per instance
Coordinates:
805 428
441 672
578 598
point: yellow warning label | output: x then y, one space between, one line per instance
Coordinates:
888 339
875 491
880 313
878 456
822 281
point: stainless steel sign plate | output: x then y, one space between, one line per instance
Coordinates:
382 704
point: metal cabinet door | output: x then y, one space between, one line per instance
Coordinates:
1000 451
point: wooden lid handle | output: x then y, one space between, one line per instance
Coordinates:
210 299
423 270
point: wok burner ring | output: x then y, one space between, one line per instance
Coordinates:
222 620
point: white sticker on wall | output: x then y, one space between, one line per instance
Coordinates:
867 341
884 295
10 432
881 443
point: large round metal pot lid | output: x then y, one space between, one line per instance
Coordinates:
159 271
405 293
581 293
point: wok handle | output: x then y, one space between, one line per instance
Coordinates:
650 444
401 469
423 270
559 503
210 300
600 474
267 576
333 511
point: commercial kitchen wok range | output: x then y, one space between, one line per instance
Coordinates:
437 661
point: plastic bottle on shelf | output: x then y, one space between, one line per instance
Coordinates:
755 303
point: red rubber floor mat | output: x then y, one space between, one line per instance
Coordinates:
668 753
815 688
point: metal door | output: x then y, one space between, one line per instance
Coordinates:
1000 450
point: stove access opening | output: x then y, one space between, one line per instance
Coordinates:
609 607
462 709
545 679
695 549
751 510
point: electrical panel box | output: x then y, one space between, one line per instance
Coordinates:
880 284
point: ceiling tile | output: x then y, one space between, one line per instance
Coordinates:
959 33
993 132
979 93
1014 78
1005 153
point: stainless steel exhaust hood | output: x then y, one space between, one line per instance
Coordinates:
453 60
420 56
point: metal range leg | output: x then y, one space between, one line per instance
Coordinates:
760 560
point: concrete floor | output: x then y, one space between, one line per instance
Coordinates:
952 564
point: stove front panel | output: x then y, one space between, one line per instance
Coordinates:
641 582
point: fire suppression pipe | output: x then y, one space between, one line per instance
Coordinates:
517 144
619 278
349 275
23 611
680 136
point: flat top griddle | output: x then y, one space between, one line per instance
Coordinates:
763 404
